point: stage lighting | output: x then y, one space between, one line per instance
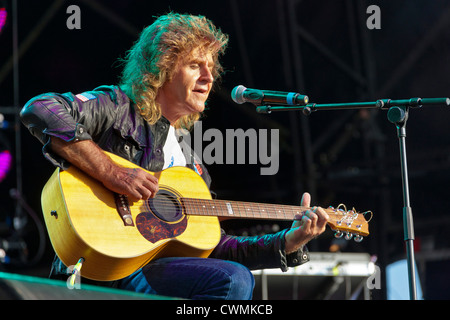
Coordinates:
5 163
3 16
5 155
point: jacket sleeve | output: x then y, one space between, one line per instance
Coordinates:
68 117
259 252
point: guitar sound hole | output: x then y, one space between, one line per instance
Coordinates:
166 206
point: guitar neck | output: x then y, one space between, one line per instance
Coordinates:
340 220
238 209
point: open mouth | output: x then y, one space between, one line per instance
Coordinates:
201 91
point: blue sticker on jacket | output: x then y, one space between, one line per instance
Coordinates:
85 96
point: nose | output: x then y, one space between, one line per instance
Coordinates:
206 74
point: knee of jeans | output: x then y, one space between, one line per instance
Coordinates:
242 284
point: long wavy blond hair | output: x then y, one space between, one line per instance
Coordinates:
151 60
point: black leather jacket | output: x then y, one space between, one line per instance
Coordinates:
108 117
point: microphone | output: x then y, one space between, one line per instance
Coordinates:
241 94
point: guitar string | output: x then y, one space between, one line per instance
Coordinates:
209 205
199 207
214 204
206 205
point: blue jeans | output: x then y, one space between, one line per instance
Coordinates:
192 278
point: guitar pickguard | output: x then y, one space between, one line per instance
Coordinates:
163 216
154 229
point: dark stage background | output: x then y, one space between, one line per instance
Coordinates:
320 48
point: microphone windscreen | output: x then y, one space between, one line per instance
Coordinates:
237 94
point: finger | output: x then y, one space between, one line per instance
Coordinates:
306 200
152 178
323 217
306 223
134 195
312 216
301 219
145 194
151 188
297 221
141 174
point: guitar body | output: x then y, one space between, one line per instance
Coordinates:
83 221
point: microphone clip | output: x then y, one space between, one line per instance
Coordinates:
266 109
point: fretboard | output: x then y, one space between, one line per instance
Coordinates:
237 209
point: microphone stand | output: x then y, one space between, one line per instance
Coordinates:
398 112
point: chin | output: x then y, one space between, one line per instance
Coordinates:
198 108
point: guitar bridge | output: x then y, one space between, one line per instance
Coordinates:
124 209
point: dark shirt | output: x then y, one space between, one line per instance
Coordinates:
108 117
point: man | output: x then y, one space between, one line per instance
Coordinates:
167 78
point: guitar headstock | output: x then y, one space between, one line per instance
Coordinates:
355 225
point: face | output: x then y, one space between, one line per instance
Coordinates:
189 88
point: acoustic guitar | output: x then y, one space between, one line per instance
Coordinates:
114 236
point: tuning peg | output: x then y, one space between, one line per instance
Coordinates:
358 238
348 236
338 234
